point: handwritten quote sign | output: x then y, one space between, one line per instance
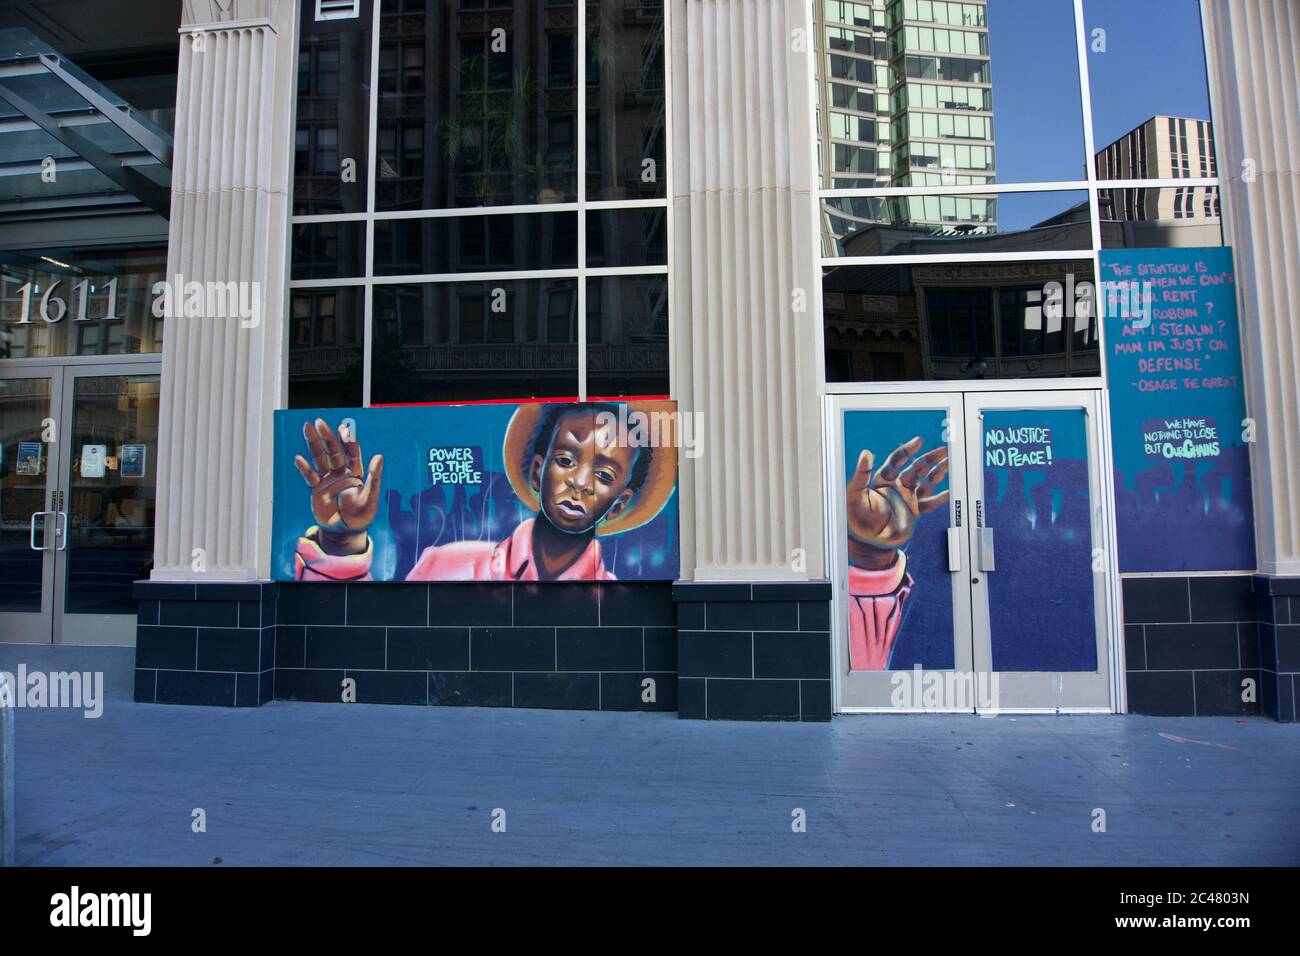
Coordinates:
456 465
1182 464
1169 438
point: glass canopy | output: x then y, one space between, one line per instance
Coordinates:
68 144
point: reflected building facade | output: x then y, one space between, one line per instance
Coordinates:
1164 147
905 98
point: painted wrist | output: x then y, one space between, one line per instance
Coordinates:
870 557
342 542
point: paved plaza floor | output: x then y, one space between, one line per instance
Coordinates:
334 784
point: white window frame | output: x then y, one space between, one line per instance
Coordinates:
582 272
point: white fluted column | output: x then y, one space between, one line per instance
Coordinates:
1253 49
221 380
747 347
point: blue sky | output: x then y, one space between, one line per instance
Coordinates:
1153 64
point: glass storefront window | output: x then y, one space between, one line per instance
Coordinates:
969 225
1157 118
961 320
483 114
326 338
990 93
93 301
332 145
464 341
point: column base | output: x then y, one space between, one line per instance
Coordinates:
753 650
210 644
1278 603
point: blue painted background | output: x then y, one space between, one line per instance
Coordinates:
414 514
1041 610
925 636
1179 514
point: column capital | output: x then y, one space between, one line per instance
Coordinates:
223 14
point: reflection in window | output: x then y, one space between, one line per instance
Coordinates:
1127 95
333 117
627 335
462 341
492 124
961 224
960 321
100 301
626 148
325 345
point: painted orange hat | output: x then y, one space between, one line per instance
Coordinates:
660 480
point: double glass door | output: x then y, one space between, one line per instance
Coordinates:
77 492
973 565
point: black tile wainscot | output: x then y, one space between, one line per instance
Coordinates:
210 644
1277 601
607 646
1196 646
753 651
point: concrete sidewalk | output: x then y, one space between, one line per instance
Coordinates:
323 784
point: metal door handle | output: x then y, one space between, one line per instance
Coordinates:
987 561
61 534
954 549
31 538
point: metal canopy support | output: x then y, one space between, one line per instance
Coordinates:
148 192
120 117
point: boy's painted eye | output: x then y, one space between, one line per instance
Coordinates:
564 461
606 476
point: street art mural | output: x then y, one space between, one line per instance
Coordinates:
528 492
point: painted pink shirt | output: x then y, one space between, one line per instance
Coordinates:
876 600
509 560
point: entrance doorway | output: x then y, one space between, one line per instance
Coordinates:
971 540
77 493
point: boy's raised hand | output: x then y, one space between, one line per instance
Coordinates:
341 501
885 505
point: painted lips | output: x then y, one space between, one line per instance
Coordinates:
571 509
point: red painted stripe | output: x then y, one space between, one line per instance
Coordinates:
526 401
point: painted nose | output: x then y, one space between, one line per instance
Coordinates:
580 481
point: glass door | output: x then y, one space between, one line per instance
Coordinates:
106 499
1039 591
969 538
902 601
29 526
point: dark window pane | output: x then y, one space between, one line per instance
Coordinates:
325 346
462 341
976 320
333 135
329 250
625 100
627 237
627 335
494 243
469 122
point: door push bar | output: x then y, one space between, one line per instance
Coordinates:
985 560
31 538
60 532
954 539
